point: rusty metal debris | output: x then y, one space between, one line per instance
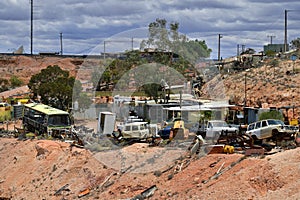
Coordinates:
221 171
84 192
65 187
257 151
106 180
146 193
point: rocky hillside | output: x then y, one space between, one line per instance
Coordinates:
25 66
266 86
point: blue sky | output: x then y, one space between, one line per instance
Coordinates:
86 24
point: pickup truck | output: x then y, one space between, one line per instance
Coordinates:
214 128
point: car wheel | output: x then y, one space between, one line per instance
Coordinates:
256 140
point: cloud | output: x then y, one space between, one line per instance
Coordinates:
88 23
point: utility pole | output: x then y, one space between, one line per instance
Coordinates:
31 27
132 44
238 50
61 44
220 36
271 38
104 50
285 31
243 48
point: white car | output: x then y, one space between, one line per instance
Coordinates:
265 129
215 128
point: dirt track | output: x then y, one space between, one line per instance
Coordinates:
37 169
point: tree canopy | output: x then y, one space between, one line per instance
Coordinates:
54 86
15 81
164 46
296 43
163 38
272 114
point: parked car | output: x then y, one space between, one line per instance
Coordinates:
268 128
215 128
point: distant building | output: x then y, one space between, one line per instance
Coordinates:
274 47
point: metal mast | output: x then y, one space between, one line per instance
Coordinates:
31 27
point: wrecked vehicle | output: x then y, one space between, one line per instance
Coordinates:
173 129
270 128
215 128
136 131
42 119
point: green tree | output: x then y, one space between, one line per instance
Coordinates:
151 90
270 53
15 81
54 86
164 39
296 43
77 89
272 114
84 102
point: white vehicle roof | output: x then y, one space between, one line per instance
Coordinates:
136 123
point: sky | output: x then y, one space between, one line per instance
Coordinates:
92 26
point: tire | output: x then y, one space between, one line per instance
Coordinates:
254 137
256 140
275 132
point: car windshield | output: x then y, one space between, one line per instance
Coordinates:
273 122
59 120
219 124
280 122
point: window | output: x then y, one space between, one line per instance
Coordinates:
127 128
59 120
257 125
264 124
135 128
250 127
272 122
209 125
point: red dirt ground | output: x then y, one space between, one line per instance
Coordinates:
36 169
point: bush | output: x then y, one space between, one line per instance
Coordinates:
15 81
272 114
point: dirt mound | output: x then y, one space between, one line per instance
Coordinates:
42 169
